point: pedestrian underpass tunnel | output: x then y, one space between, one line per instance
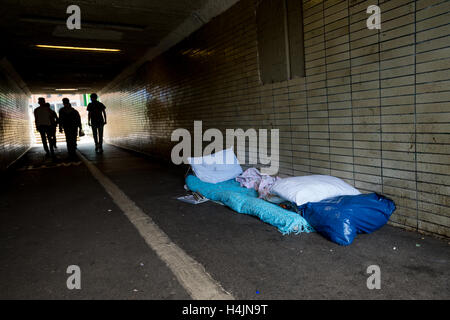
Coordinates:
362 98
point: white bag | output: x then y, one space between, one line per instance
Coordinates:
314 188
217 167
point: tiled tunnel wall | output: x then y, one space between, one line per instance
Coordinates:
373 109
15 136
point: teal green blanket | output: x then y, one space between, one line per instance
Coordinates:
246 201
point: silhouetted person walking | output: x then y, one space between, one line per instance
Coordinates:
54 120
42 118
70 122
97 119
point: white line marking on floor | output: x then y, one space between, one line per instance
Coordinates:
191 274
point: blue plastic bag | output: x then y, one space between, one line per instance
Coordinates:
340 219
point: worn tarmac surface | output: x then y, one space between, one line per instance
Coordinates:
55 214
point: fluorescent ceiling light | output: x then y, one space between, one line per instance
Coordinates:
68 89
76 48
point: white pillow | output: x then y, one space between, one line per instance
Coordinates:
301 190
217 167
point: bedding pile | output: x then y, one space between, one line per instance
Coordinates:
246 201
321 203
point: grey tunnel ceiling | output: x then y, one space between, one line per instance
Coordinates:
132 26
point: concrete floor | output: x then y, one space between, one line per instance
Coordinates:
56 214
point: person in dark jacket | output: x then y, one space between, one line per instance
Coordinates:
97 120
54 120
42 118
70 123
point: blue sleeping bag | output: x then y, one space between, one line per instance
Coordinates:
339 219
246 201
